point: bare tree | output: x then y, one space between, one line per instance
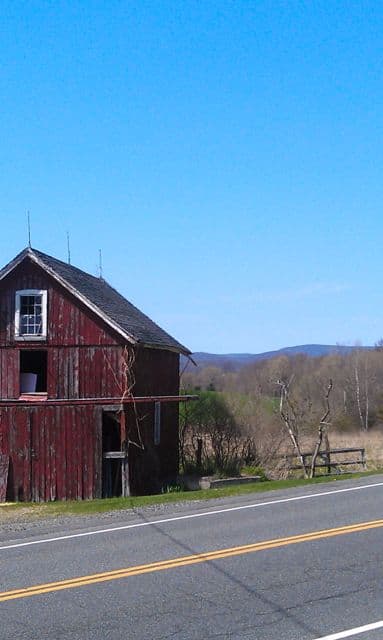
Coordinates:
288 414
322 430
362 391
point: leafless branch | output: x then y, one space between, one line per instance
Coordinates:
288 416
323 424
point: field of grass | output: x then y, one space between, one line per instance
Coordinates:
372 441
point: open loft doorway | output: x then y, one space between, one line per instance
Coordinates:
33 371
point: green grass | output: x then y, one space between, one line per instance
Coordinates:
89 507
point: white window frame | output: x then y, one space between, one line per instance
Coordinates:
44 299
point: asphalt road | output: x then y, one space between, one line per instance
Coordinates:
275 582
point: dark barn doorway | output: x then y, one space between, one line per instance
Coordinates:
33 371
111 462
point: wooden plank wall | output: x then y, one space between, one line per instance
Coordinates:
73 372
54 452
84 372
83 355
69 322
9 372
157 369
4 467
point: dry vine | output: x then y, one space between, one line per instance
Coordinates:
126 387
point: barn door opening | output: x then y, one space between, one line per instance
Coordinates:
33 371
111 455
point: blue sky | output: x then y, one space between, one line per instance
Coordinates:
226 156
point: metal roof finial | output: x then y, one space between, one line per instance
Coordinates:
29 230
68 245
100 264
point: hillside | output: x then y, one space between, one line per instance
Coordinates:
235 361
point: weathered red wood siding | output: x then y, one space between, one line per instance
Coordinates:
156 369
56 452
69 322
52 452
83 356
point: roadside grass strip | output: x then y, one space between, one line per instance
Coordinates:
183 561
104 505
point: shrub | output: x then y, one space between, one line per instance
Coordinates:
251 470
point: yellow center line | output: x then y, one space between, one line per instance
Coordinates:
183 561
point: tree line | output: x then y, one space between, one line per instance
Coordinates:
243 417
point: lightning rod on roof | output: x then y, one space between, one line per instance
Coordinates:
100 264
68 245
29 229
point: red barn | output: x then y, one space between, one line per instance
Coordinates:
89 387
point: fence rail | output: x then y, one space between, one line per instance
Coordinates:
325 459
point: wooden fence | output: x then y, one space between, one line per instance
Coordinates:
326 459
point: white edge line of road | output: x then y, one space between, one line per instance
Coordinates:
190 516
353 632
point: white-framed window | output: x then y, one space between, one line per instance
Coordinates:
31 314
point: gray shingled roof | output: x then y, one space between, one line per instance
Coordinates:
110 304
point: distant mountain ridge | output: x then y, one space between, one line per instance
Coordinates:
235 361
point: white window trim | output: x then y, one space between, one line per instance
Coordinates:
44 298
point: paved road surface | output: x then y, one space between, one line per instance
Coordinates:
280 584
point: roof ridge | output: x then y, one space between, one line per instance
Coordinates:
103 299
66 264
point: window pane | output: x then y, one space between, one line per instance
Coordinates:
31 315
